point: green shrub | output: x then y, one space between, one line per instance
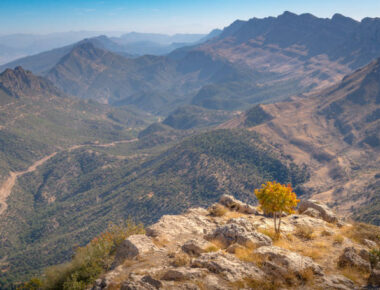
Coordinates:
91 260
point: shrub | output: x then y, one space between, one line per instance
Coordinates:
374 257
91 260
180 259
338 239
276 199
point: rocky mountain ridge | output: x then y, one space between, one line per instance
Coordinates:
231 246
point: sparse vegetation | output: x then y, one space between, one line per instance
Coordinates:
361 231
180 259
217 210
89 261
304 232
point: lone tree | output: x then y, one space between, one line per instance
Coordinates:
277 199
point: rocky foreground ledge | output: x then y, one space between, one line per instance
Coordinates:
231 245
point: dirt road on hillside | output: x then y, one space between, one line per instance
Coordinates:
7 186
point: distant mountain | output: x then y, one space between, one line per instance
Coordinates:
41 63
249 62
19 45
336 133
36 119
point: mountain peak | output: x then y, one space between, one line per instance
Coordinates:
19 82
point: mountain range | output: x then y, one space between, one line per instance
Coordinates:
93 134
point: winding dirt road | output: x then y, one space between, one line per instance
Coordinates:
7 186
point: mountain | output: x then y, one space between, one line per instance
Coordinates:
255 61
37 119
74 195
336 133
21 45
43 62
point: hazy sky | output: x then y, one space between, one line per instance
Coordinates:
166 16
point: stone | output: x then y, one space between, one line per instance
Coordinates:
326 213
304 220
182 273
227 265
134 246
370 244
351 258
289 260
336 282
233 233
374 278
172 227
195 247
236 205
131 285
155 283
312 212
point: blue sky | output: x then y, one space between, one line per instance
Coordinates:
164 16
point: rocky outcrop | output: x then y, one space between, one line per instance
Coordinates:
374 278
195 247
236 205
197 250
289 261
234 233
230 267
132 247
352 258
325 212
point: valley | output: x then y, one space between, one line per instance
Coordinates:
92 133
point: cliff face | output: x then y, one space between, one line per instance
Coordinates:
232 246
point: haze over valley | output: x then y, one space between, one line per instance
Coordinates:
98 127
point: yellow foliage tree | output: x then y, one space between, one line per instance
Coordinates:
276 199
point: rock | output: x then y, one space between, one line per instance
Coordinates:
132 247
374 278
182 273
230 267
312 212
335 282
303 220
291 261
130 285
233 233
195 247
350 258
236 205
326 213
233 248
370 244
172 227
155 283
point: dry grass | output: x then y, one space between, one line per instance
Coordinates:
160 242
233 215
270 233
212 248
305 232
360 231
358 277
217 244
180 259
247 254
338 239
217 210
326 233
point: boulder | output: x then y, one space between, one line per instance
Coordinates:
370 244
183 273
236 205
172 227
289 260
195 247
335 282
233 233
312 212
131 285
231 268
351 258
132 247
325 212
